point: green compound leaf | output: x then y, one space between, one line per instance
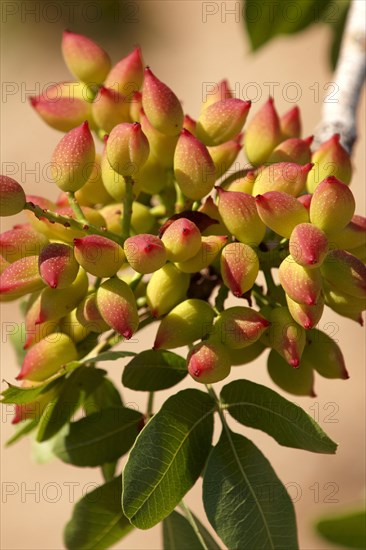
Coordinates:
75 389
245 502
97 521
110 356
167 458
178 534
348 530
261 408
19 396
100 437
266 20
154 370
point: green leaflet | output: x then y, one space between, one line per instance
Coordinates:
167 458
261 408
245 502
97 521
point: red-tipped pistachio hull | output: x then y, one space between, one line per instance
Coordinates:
209 251
263 133
285 336
145 253
332 205
194 169
281 212
331 159
240 215
222 121
84 58
73 159
117 305
21 241
98 255
12 196
345 273
161 105
287 177
187 322
239 327
167 287
239 267
47 356
303 285
57 265
308 245
127 149
20 278
182 240
208 362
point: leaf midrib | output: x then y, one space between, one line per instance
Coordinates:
98 439
251 404
228 433
173 459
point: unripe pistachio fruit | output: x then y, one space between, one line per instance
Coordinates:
306 316
21 241
239 327
331 159
110 108
207 254
20 278
12 196
145 253
84 58
187 322
287 177
88 315
239 267
239 214
262 135
57 302
208 362
299 381
222 121
194 169
324 355
332 205
47 356
73 159
308 245
117 305
285 336
182 240
127 149
127 75
281 212
167 287
292 150
345 273
290 124
161 105
57 265
98 255
303 285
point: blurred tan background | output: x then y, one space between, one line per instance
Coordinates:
187 44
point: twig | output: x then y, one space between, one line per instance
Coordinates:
339 114
127 209
67 221
76 207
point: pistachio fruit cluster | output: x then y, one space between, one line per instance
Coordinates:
152 225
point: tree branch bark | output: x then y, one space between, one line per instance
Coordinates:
339 115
